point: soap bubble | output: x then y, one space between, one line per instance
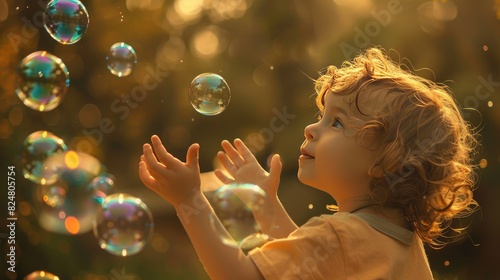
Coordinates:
37 147
121 59
66 20
236 206
42 80
66 205
123 224
209 94
101 186
41 275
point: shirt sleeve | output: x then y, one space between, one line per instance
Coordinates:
313 251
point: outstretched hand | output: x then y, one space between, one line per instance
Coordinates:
243 167
171 178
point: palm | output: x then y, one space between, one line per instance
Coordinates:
242 166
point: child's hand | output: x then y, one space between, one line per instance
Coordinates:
242 165
171 178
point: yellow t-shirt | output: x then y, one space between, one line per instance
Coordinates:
344 246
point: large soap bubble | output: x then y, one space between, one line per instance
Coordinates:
66 20
123 224
37 147
236 206
209 94
65 202
42 80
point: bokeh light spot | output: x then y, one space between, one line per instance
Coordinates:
72 225
483 163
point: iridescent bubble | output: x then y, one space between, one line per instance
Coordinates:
123 224
101 186
66 20
42 81
65 204
209 94
41 275
62 165
121 59
37 147
236 206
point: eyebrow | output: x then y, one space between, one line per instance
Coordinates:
339 109
334 107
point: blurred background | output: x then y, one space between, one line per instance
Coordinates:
268 52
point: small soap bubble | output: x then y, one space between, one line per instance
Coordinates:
236 206
123 224
42 81
66 20
209 94
41 275
101 186
121 59
37 147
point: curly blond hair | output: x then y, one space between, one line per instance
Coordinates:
426 165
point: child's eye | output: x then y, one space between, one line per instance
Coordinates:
337 123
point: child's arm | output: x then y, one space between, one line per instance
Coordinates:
242 165
179 183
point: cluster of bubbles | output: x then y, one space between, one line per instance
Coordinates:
236 207
73 194
42 79
73 191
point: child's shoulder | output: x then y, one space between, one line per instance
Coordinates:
335 221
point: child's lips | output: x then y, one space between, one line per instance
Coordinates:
305 154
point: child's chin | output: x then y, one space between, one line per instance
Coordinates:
303 178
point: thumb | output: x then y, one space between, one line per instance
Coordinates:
275 170
192 155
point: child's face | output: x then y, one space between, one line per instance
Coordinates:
332 160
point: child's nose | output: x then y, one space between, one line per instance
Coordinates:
309 131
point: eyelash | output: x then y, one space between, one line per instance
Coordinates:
335 121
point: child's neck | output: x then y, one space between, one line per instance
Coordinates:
353 204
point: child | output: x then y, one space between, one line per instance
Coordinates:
390 147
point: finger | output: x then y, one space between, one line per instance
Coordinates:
275 170
227 163
244 151
222 177
154 167
145 176
162 154
192 156
150 171
232 153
